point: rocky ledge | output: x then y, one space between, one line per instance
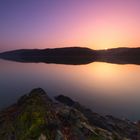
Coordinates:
36 117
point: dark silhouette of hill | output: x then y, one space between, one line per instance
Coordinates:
74 55
120 55
69 55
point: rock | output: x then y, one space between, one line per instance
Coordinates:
65 100
42 137
36 116
59 135
124 128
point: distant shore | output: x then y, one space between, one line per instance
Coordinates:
74 55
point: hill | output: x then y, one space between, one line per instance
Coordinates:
120 55
74 55
68 55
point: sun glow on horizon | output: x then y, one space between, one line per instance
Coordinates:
94 24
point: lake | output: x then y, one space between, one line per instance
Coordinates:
108 89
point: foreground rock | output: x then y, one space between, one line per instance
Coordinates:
36 117
124 128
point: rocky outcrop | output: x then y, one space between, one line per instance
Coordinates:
124 128
36 117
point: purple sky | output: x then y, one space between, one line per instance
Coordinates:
97 24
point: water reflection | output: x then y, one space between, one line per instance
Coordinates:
106 88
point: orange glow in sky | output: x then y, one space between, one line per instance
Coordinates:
97 24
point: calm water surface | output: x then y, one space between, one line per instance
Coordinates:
105 88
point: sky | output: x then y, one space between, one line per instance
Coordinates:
97 24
